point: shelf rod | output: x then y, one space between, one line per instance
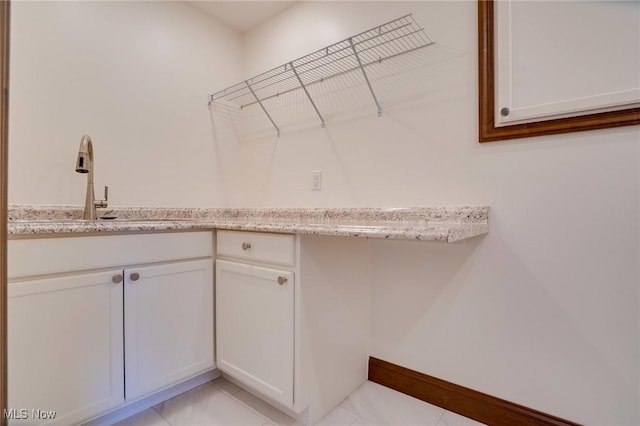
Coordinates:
403 22
338 74
307 93
267 75
347 47
262 106
364 73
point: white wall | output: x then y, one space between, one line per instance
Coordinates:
134 76
542 311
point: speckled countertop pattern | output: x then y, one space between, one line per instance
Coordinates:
448 224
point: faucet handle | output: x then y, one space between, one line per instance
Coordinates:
103 203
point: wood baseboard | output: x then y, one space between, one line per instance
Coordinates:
464 401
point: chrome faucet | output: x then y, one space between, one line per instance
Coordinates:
84 164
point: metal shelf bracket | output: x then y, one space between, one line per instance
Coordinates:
313 104
364 73
262 106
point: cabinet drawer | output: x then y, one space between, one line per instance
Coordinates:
259 247
30 257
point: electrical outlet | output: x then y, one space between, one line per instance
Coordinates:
316 180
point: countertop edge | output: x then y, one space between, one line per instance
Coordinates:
447 224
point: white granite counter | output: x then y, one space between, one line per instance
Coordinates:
447 224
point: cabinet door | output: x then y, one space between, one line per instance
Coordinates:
254 327
65 346
168 324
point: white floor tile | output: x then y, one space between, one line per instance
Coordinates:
145 418
338 417
226 386
361 421
207 405
273 415
385 407
222 403
454 419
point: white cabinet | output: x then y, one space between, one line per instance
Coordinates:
292 317
168 326
255 323
89 331
65 345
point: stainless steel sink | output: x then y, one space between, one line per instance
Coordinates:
36 221
143 220
80 221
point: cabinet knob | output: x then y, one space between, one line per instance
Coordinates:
282 280
134 276
246 246
117 278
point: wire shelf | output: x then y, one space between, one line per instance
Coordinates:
353 54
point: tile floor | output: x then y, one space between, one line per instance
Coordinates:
221 403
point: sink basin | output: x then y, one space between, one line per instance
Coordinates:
80 221
144 220
36 221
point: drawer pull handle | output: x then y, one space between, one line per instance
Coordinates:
282 280
117 278
134 276
246 246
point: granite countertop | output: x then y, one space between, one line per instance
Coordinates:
447 224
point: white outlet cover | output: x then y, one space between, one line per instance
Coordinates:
316 180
